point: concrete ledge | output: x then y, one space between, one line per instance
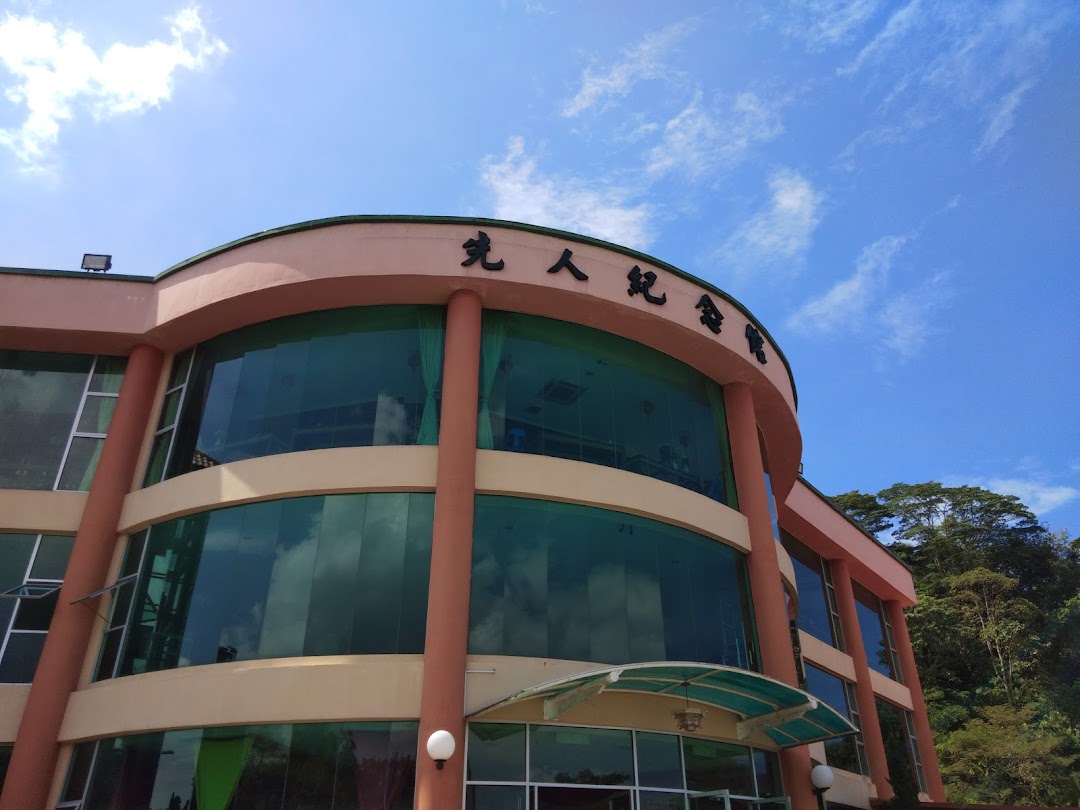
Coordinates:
311 472
331 688
12 702
525 475
890 690
35 511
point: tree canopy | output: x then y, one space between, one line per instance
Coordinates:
996 633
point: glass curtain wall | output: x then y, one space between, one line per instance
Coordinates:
555 580
322 575
344 378
339 766
512 765
32 570
559 389
55 410
847 752
818 615
876 634
901 746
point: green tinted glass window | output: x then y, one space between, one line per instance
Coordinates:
839 752
559 389
342 378
583 756
335 574
496 752
555 580
39 398
350 766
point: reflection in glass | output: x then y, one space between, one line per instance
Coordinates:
714 765
559 798
564 581
580 756
840 751
39 397
341 766
872 629
559 389
335 574
496 752
341 378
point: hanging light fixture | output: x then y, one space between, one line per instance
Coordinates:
688 719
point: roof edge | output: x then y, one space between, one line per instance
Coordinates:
351 219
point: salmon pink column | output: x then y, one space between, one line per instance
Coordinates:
906 653
770 612
864 689
33 760
442 702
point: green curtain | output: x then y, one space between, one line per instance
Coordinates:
91 464
491 348
218 772
432 332
716 405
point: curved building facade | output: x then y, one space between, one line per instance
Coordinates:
271 519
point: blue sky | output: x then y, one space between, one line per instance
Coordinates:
893 188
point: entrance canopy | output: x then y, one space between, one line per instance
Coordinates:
787 715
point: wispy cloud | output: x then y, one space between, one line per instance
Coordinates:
644 61
525 194
57 71
849 300
776 238
908 321
824 23
931 60
699 140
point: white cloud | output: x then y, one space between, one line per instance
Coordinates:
524 194
933 60
57 71
849 300
777 237
698 140
908 320
824 23
644 61
1039 496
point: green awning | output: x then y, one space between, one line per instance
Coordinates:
789 716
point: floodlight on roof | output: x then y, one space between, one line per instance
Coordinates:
97 262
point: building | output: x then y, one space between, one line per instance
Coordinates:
273 518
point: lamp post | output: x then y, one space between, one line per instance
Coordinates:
822 777
440 747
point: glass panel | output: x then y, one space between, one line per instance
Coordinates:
78 772
341 378
661 801
495 797
159 450
346 766
582 756
108 374
39 397
81 463
21 657
564 581
35 614
52 556
5 760
718 766
659 763
15 551
563 390
332 575
839 751
814 615
169 408
556 798
496 752
767 771
894 735
868 609
179 370
96 414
